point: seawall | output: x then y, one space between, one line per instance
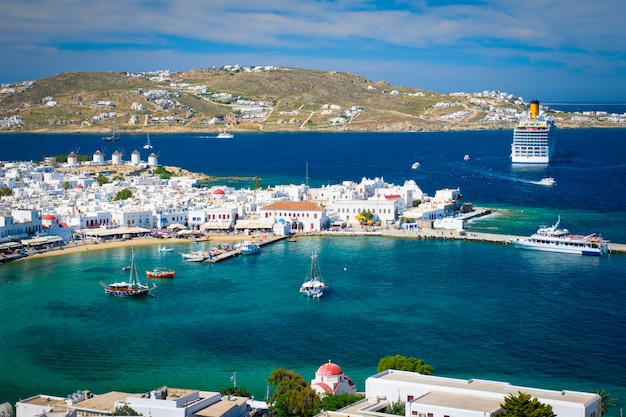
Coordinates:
618 248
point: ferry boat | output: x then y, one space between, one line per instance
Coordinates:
553 239
533 138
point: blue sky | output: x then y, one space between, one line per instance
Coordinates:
551 50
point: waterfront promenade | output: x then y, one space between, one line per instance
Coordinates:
264 239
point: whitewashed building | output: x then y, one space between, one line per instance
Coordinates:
162 402
434 396
303 216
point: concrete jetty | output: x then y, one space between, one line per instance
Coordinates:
261 241
441 235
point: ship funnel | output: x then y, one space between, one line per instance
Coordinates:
534 110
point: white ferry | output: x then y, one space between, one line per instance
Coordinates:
533 138
553 239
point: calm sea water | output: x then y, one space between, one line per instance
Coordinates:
470 310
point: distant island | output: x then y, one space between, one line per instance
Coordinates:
255 99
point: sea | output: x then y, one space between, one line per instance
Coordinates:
471 310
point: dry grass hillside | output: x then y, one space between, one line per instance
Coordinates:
264 99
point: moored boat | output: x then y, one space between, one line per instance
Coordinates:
313 285
159 272
248 247
553 239
132 288
196 256
415 165
113 137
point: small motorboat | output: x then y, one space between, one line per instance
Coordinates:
549 181
415 165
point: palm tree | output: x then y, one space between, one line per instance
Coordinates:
605 401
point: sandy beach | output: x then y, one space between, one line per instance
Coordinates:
141 241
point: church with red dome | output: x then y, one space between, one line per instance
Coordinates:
330 379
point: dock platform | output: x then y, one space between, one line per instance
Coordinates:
236 252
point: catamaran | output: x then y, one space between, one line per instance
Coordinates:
314 285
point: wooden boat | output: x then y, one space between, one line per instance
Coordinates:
159 272
132 288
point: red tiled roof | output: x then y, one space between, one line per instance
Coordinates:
293 205
329 369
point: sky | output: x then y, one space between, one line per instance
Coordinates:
550 50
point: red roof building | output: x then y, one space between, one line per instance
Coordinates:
330 379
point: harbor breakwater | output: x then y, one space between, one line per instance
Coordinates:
443 235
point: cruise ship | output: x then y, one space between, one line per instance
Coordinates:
533 138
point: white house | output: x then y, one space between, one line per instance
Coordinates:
162 402
384 209
304 216
434 396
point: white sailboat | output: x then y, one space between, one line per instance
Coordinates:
314 285
148 145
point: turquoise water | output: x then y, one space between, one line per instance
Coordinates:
471 310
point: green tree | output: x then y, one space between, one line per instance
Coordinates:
367 214
396 408
123 194
236 391
4 190
163 173
335 402
522 405
403 363
66 185
293 395
125 410
102 179
606 401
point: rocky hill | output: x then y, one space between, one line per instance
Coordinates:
245 99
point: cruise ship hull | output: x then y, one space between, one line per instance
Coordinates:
559 247
533 138
532 147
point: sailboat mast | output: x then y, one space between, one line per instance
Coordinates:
306 180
